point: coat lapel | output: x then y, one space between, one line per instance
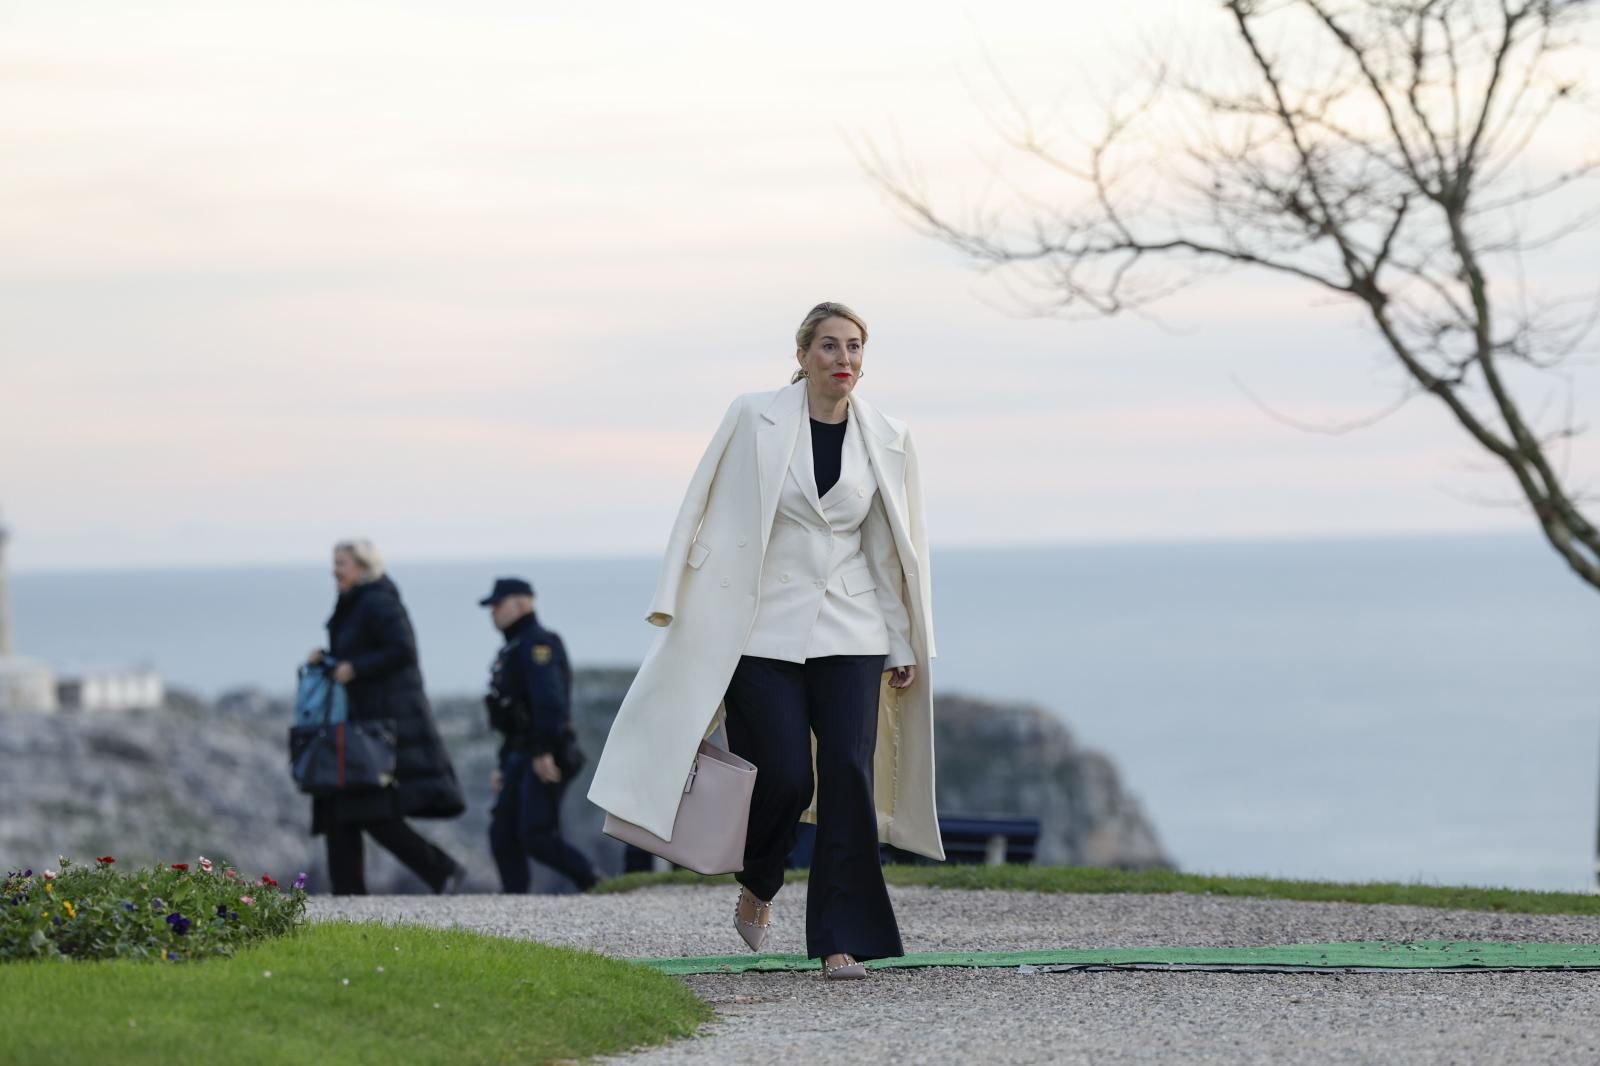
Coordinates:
803 467
775 446
886 451
852 464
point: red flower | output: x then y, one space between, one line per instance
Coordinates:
105 860
180 866
267 880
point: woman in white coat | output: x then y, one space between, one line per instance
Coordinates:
796 594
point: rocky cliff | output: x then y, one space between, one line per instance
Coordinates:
195 779
1019 761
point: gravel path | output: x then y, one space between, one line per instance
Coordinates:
1002 1016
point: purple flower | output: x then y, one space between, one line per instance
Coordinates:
180 924
299 882
222 910
29 873
127 905
172 956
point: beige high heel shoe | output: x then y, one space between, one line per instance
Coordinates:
754 933
849 970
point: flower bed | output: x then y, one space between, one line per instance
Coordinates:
171 913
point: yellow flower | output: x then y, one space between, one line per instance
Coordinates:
50 888
66 905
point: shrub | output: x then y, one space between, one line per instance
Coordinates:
171 913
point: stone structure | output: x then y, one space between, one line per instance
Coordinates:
24 685
128 690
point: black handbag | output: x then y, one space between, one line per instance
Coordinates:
328 757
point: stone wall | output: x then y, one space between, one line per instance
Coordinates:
192 779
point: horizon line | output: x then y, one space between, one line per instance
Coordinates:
983 546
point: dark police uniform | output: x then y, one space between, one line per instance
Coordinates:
529 703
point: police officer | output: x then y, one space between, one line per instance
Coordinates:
529 702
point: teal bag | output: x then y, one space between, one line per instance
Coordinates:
319 698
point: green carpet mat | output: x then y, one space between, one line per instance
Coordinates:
1355 955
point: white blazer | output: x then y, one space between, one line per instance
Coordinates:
707 599
831 579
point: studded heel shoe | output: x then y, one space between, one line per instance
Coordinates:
754 933
849 970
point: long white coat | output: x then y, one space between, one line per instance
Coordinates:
706 601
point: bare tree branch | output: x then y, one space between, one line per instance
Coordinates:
1376 173
1333 429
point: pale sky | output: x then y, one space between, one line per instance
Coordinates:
477 281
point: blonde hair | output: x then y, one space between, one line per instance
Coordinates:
366 555
816 317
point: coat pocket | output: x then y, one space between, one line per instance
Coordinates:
697 555
858 581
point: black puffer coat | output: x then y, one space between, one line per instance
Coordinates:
371 631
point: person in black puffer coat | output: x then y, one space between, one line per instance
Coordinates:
374 650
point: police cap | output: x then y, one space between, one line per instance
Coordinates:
504 588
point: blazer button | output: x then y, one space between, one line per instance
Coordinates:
741 542
861 492
784 579
725 582
821 584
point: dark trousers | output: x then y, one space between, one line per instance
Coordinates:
773 708
526 821
427 860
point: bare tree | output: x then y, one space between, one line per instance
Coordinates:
1374 149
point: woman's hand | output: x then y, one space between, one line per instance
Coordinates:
315 657
344 673
902 676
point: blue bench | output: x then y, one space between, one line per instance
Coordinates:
988 841
968 840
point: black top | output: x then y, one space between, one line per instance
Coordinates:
827 453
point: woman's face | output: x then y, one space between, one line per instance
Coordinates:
833 362
346 571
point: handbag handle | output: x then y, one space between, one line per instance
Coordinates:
721 720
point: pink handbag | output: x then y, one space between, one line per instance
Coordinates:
713 815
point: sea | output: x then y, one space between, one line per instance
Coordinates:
1415 709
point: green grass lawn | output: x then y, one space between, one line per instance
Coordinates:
1093 879
344 993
